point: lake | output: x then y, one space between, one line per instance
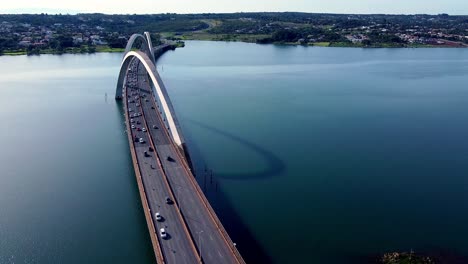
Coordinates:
307 154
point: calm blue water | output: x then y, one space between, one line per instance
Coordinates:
319 155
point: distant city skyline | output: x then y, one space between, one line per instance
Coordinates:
452 7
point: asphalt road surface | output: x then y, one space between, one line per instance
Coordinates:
178 247
211 244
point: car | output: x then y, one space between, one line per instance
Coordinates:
132 121
142 140
158 216
137 139
133 126
138 122
170 159
155 127
152 107
146 100
162 233
143 129
139 114
138 129
168 200
137 104
130 110
150 149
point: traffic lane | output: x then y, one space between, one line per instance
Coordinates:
176 173
159 136
191 205
187 246
194 210
176 249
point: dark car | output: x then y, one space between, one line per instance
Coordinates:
168 200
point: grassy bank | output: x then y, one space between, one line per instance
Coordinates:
250 38
108 49
254 38
74 50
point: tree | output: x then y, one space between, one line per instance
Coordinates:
65 41
30 50
115 42
366 42
285 35
156 39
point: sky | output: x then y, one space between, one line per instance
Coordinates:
453 7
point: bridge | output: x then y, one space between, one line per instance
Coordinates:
172 199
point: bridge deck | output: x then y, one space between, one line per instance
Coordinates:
194 230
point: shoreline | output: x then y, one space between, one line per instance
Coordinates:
98 49
318 44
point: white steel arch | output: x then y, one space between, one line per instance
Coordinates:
146 41
150 67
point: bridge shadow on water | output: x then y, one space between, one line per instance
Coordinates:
251 250
275 166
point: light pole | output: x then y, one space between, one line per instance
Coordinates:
199 244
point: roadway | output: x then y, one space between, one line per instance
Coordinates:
205 229
178 247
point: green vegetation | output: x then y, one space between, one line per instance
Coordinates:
321 44
405 258
252 38
87 33
108 49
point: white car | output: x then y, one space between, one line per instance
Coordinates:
162 233
133 127
158 216
132 121
143 129
142 140
130 110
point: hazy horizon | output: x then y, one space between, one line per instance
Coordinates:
52 12
395 7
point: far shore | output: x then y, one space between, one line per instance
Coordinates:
107 49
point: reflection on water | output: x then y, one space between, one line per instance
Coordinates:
324 155
329 155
